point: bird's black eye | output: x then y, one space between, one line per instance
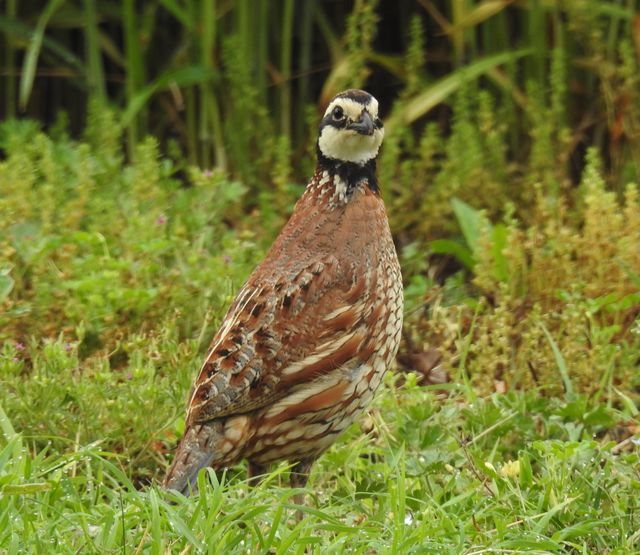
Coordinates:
338 113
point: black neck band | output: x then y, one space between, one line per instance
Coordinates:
350 172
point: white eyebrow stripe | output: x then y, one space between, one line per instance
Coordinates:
372 107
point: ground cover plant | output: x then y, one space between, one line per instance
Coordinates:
510 172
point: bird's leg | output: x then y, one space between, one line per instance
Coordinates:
299 478
256 472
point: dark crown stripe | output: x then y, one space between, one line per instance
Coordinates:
362 97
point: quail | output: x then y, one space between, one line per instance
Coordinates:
306 342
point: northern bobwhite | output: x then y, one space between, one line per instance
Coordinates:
305 344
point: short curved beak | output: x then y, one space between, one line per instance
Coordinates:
364 125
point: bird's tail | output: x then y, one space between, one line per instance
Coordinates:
195 451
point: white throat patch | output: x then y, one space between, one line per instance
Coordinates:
348 145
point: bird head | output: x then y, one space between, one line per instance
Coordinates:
351 130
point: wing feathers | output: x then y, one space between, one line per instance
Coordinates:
328 357
252 362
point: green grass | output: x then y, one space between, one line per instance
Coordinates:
507 474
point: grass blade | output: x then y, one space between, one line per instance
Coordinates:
95 72
190 75
445 87
133 56
33 52
479 14
207 98
449 246
561 363
9 60
470 221
5 425
285 68
17 29
178 12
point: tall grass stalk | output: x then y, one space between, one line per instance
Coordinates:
30 64
304 66
458 31
192 98
245 31
285 68
261 54
538 40
9 61
206 24
134 64
95 71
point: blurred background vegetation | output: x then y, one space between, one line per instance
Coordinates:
229 82
150 151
